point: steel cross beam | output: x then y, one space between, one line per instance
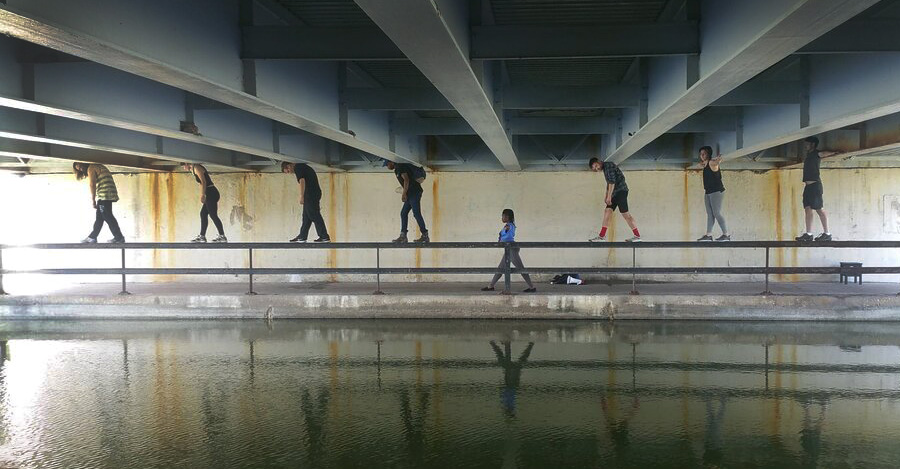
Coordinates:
80 44
797 24
425 34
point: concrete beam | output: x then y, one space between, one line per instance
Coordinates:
91 156
517 126
436 41
396 99
711 120
580 97
537 42
127 156
858 36
305 43
120 123
761 93
30 27
488 42
740 40
844 90
562 125
433 126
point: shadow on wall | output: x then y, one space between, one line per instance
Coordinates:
240 217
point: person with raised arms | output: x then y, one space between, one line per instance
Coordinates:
715 194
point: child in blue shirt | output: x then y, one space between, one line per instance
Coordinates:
508 235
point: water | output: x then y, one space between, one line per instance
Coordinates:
448 394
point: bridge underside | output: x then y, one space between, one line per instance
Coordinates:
479 85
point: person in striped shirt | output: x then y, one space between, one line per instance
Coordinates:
103 194
616 198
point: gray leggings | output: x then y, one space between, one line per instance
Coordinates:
714 211
516 261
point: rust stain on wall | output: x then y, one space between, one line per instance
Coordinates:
332 215
687 255
170 221
795 227
155 216
242 191
435 217
170 206
779 219
345 196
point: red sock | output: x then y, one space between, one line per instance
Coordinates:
636 232
603 232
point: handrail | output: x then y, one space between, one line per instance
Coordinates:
506 270
466 244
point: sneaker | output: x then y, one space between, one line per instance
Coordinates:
116 241
322 240
199 239
529 290
487 289
633 239
297 239
401 239
724 237
823 237
220 239
805 237
89 240
597 239
705 238
423 239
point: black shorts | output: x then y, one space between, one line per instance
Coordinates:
812 196
619 201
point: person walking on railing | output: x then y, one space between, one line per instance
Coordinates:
310 198
508 235
715 194
616 198
410 178
209 200
103 194
813 190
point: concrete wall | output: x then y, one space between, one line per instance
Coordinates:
457 207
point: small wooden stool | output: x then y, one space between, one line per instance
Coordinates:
851 269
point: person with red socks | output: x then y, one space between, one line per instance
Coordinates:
616 198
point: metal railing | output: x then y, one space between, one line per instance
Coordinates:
506 270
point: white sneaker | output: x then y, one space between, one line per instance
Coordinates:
220 239
597 239
633 239
199 239
89 240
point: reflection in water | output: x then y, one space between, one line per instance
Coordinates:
512 373
421 394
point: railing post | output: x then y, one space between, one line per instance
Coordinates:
2 291
507 269
378 274
766 291
251 292
633 272
124 291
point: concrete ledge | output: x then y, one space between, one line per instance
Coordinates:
781 307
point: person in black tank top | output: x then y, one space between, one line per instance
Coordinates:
209 198
813 191
715 194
